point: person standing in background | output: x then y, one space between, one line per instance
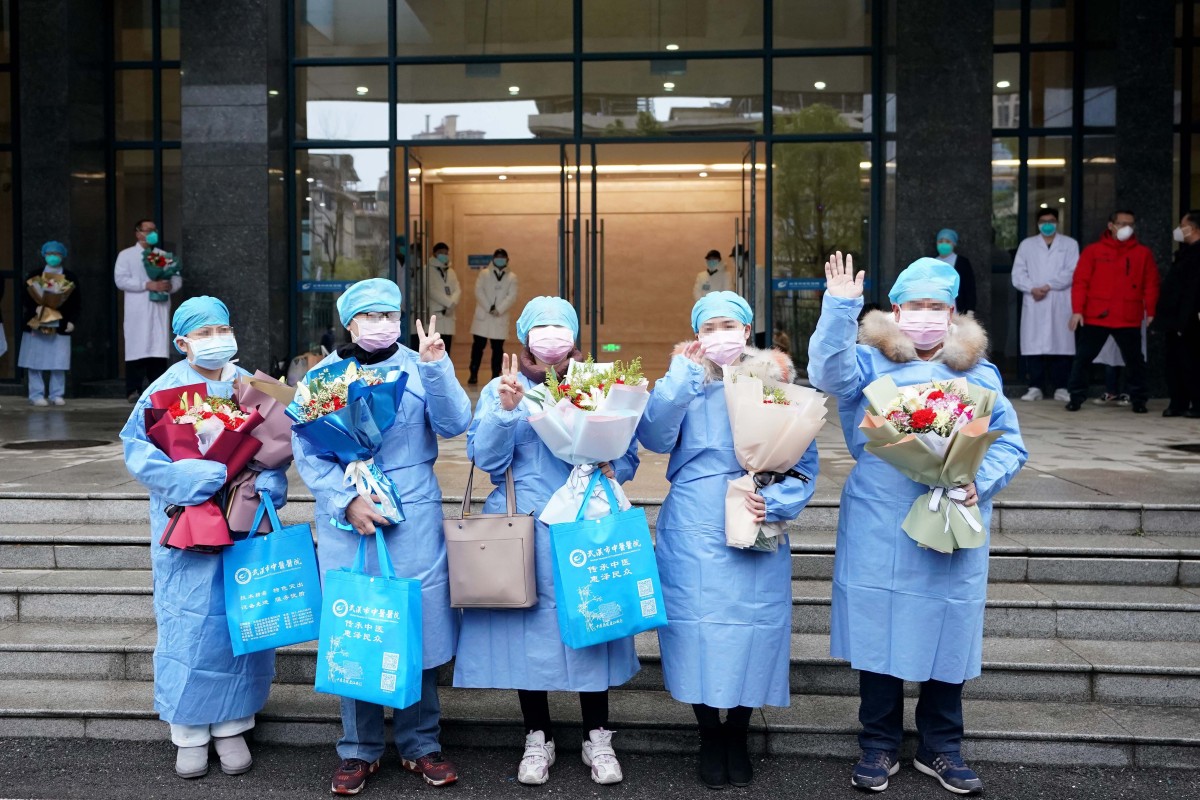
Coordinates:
495 294
1179 317
1042 271
947 246
147 320
443 291
49 348
713 278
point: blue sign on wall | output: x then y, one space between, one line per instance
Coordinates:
804 284
324 286
479 260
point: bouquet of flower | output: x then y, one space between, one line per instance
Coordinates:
587 418
184 422
773 425
936 434
343 410
270 398
49 290
160 266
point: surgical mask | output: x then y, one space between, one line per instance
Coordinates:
944 248
1124 232
926 327
376 336
551 344
1176 234
152 238
500 263
213 352
724 347
712 265
1048 228
443 257
55 260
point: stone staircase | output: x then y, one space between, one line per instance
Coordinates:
1091 651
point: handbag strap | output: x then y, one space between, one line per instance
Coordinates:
265 506
381 552
510 492
599 476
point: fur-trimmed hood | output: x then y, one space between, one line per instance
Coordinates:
965 346
776 363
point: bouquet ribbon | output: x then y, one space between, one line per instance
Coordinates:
369 480
954 499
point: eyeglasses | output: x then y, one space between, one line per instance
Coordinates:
379 316
211 331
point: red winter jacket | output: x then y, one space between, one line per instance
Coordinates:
1115 284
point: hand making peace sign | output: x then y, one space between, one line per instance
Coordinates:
840 280
430 345
511 390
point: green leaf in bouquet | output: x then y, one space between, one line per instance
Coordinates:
880 392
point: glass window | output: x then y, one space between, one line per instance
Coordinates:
1100 88
1050 102
343 29
819 23
5 31
1099 185
1194 192
134 107
171 121
478 101
671 25
6 213
657 98
1102 20
171 224
1052 21
822 95
347 103
1005 208
481 27
169 30
1006 90
134 182
5 106
1007 18
133 29
1050 177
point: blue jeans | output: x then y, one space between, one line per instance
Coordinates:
37 388
415 728
881 712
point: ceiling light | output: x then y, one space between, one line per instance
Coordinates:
273 92
672 47
310 180
819 84
670 87
1062 199
322 205
502 177
1002 84
361 89
514 90
412 180
308 199
1045 205
703 174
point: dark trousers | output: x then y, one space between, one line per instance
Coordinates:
881 712
1089 341
478 344
1182 354
535 708
1058 368
709 717
141 372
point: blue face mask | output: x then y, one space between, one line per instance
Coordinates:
500 263
1048 228
443 257
152 238
944 248
53 260
712 265
213 352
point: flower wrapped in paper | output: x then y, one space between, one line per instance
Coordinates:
185 423
270 398
343 410
587 418
49 290
160 266
936 434
773 425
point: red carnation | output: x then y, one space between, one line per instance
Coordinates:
936 395
962 407
923 418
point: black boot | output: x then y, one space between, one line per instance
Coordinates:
713 770
741 771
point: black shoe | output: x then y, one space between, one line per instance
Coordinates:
473 380
737 756
1074 406
713 765
873 769
1173 412
951 772
1140 408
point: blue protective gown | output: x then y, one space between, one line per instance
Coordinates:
523 648
900 609
729 612
197 679
433 404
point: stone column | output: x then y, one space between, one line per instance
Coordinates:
944 134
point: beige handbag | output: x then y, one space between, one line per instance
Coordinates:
491 556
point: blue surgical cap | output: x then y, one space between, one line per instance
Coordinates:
196 313
373 294
925 279
547 310
54 247
947 233
721 304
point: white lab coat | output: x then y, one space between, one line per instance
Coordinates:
147 323
443 291
1044 323
719 281
500 292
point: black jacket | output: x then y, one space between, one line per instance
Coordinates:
1179 300
69 309
966 285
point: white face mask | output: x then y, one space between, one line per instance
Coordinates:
1124 232
1177 235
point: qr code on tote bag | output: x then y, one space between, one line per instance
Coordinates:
645 588
387 682
391 661
649 607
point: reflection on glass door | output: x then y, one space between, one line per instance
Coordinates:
411 245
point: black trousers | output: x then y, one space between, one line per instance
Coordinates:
1089 341
709 717
142 372
1182 353
478 344
881 712
1058 367
535 708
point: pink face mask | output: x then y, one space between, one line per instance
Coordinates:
376 336
926 328
550 344
723 347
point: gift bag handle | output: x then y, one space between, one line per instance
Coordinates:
381 551
510 492
598 475
265 506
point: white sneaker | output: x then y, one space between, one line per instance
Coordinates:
598 754
537 761
58 401
1062 395
1034 393
40 402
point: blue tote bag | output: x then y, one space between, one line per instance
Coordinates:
272 586
606 582
370 644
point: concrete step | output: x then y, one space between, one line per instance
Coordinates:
1144 673
1069 734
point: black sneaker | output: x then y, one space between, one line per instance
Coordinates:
1074 406
1140 408
873 770
951 772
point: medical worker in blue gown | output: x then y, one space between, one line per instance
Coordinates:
902 612
727 643
433 405
203 690
522 649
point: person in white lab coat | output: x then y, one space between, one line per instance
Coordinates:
1042 272
147 321
495 294
443 291
713 278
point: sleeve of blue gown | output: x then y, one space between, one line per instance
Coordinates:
324 479
786 500
832 350
274 482
626 466
1007 454
673 393
186 482
492 434
447 407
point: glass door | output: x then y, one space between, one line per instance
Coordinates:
410 244
580 239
